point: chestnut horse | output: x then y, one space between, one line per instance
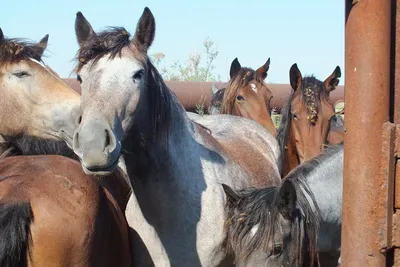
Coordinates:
175 165
306 118
246 95
51 212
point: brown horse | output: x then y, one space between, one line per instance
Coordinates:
40 194
247 95
44 106
53 214
306 118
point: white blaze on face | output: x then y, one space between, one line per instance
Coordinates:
254 87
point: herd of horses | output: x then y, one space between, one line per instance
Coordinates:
122 175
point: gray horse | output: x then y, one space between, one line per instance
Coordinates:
292 225
175 165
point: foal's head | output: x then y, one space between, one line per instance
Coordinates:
34 101
247 95
306 118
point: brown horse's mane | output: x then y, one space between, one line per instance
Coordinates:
14 50
109 41
240 80
258 206
311 92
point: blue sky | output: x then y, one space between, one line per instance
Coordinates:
309 32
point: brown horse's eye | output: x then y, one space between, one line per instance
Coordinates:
240 98
295 117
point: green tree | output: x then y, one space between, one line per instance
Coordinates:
194 68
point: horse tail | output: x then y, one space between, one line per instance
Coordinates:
15 234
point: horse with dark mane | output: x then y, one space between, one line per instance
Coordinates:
51 212
175 165
296 224
306 118
246 95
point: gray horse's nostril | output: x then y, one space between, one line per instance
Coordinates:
107 141
79 120
75 141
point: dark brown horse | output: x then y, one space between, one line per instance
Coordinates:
246 95
51 213
306 118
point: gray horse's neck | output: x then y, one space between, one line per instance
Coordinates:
326 182
167 181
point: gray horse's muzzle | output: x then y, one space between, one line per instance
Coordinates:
97 146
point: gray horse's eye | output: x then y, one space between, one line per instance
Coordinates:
277 250
138 75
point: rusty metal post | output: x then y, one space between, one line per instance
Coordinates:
367 67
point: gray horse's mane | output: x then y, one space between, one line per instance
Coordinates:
259 207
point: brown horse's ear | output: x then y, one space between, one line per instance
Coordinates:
83 29
235 67
145 30
287 199
2 38
333 80
42 45
231 196
295 77
263 70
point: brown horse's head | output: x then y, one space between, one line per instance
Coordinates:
33 100
248 96
309 112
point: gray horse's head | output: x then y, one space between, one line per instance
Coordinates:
114 71
267 227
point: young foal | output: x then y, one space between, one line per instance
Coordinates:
246 95
174 164
39 194
291 225
306 118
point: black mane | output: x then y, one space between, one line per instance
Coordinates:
110 41
28 145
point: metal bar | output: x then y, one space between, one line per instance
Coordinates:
367 68
192 93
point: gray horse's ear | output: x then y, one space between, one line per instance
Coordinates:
145 30
214 89
235 67
83 29
231 195
287 199
333 80
295 77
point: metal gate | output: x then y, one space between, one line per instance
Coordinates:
371 192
